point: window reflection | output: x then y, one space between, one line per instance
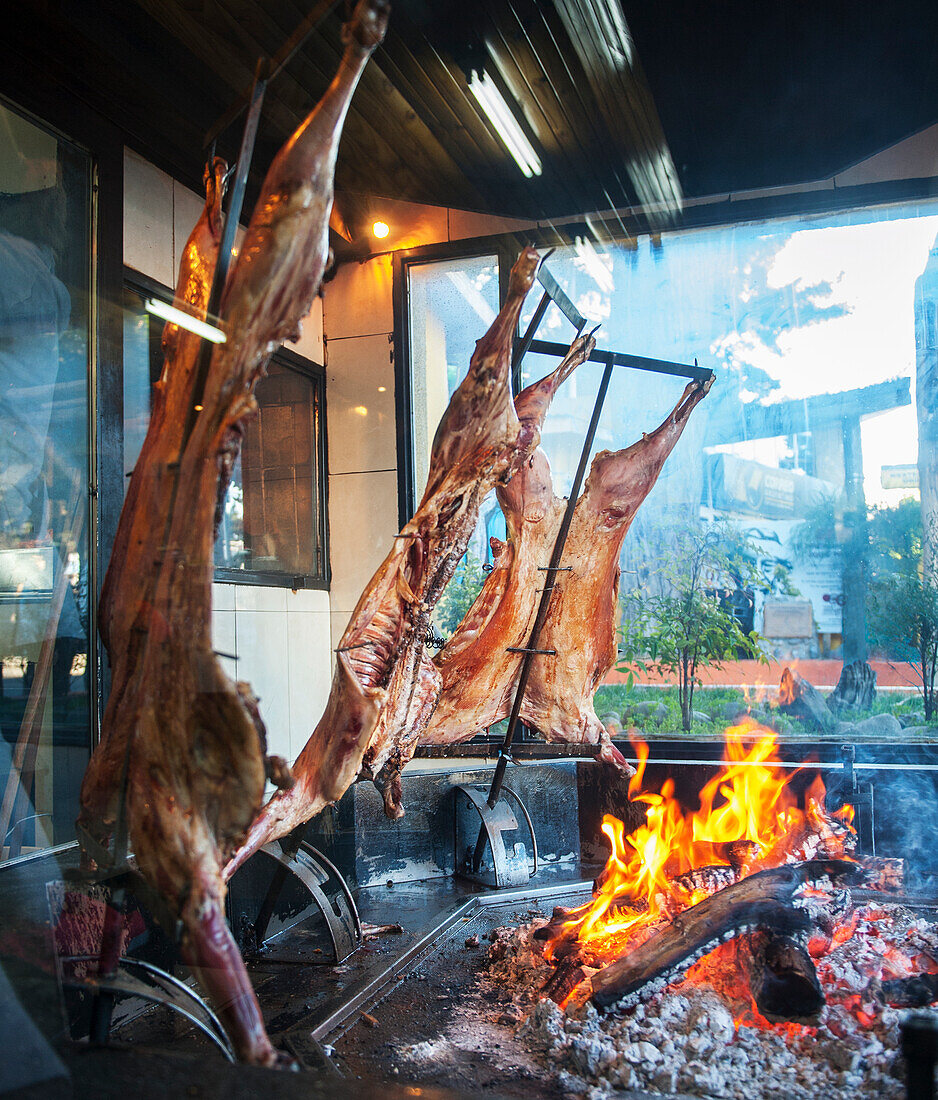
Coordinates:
452 303
45 613
272 524
818 445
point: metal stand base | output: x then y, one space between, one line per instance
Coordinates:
509 861
282 888
91 984
136 978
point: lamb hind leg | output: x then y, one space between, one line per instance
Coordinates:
210 950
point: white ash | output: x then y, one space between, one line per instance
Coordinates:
684 1040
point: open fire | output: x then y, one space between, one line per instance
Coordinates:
729 940
748 820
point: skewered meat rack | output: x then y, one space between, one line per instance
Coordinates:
115 886
509 862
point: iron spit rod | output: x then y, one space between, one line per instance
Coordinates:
521 649
541 616
226 247
622 359
522 349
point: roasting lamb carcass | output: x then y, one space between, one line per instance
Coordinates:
479 673
182 759
385 687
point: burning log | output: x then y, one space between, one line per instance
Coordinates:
782 978
801 699
914 992
855 689
883 873
762 901
705 880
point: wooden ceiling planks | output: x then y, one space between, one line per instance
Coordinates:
601 40
414 131
747 95
381 116
530 56
437 89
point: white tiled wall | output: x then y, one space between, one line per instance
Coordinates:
358 325
278 640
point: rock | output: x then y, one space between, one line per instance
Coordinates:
700 716
611 721
733 712
877 727
657 712
856 688
913 719
801 699
843 728
912 732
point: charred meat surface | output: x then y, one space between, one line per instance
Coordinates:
182 759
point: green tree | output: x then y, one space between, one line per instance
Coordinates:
686 624
903 603
459 595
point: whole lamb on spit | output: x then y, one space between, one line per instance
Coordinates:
182 759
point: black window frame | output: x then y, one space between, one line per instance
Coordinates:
145 287
726 213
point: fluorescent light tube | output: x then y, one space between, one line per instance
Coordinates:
506 125
184 320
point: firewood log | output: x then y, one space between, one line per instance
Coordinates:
782 978
762 901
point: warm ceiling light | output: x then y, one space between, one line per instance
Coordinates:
506 125
381 229
184 320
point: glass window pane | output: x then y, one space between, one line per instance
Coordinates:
272 521
822 334
451 304
45 219
271 515
816 451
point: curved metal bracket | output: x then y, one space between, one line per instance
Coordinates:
527 817
136 978
509 860
305 885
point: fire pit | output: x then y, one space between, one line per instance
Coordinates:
736 947
741 949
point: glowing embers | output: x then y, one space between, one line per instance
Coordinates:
749 820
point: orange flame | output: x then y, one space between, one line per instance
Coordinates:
748 819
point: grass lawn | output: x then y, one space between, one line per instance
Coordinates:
656 712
